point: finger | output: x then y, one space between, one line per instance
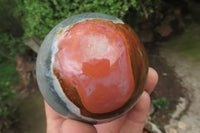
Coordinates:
73 126
50 113
152 80
54 120
137 116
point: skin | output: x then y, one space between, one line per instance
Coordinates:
131 122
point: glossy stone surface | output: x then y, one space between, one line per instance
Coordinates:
92 67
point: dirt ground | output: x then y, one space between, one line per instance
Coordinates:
168 86
184 53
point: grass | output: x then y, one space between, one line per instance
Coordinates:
161 103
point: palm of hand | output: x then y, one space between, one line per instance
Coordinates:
132 122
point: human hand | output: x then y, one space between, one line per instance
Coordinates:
131 122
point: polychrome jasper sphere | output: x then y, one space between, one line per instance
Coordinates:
92 67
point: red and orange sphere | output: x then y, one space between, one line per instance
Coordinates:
99 67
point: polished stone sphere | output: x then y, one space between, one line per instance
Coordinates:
92 67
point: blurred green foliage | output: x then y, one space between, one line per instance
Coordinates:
39 16
10 46
9 78
11 32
